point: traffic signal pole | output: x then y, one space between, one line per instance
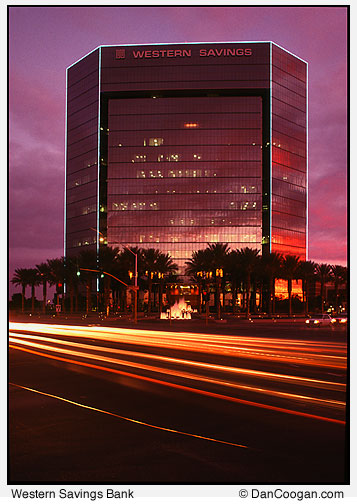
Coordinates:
132 287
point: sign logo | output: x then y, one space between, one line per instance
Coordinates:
119 53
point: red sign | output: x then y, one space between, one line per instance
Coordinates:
185 53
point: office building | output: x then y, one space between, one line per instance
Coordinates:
176 146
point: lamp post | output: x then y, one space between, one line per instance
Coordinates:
102 240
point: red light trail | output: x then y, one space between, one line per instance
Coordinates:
268 389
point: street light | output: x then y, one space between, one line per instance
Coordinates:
102 240
101 237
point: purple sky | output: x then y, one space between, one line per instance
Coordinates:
43 41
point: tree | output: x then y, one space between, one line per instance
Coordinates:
87 259
150 258
57 275
290 270
271 267
248 259
156 264
217 256
71 268
235 274
197 267
22 277
323 273
107 259
339 277
306 273
44 274
165 266
124 268
34 279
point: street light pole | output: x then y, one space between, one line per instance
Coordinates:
102 239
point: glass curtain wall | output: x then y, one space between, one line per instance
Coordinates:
82 154
289 153
184 172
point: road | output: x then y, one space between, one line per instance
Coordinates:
256 403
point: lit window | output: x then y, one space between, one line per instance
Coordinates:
139 158
155 142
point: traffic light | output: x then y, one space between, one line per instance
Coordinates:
59 287
205 295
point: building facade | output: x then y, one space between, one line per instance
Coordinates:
176 146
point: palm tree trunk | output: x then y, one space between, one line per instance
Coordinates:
71 298
23 298
248 296
44 291
149 300
160 298
199 298
88 294
32 297
234 297
271 295
289 292
76 298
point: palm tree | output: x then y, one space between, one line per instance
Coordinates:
44 273
165 266
306 273
72 280
57 275
34 279
87 259
217 254
248 259
107 258
271 267
196 268
150 258
235 275
290 270
124 268
22 277
339 277
323 273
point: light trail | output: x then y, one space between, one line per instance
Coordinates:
180 374
14 337
144 424
277 350
184 387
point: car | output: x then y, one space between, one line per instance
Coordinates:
341 318
321 319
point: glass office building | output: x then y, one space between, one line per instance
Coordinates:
176 146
